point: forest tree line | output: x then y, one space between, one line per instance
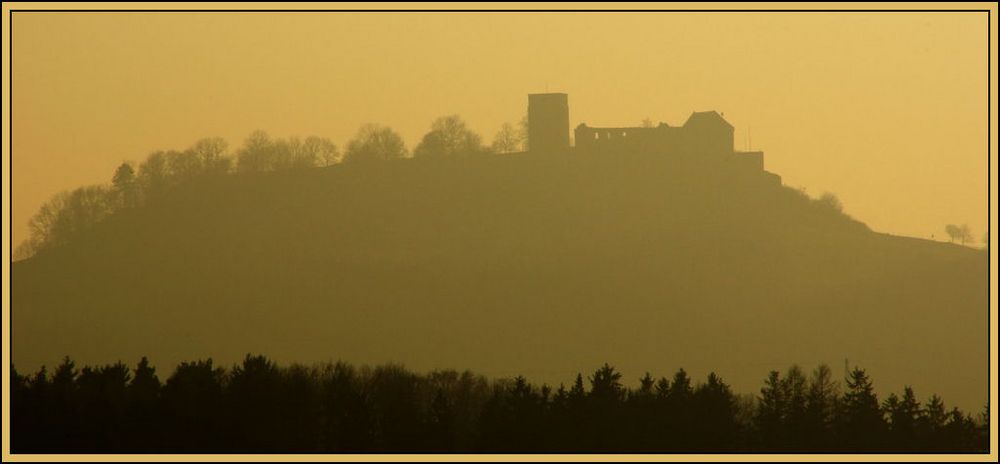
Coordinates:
258 407
68 213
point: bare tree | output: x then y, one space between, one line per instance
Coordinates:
65 216
961 233
211 152
261 153
42 226
954 232
375 143
322 149
183 165
507 140
153 175
291 153
256 154
965 234
449 137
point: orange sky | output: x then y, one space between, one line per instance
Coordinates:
887 110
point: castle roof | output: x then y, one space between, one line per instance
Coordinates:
710 117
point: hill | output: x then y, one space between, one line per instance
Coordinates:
515 264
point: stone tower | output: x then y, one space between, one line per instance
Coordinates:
548 122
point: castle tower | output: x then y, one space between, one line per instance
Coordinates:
548 122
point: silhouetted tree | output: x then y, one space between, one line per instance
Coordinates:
904 415
821 408
965 233
182 166
983 428
66 216
257 153
960 432
211 155
716 428
831 201
375 143
252 392
298 417
646 384
32 417
930 424
347 416
679 411
125 188
397 413
440 424
961 233
796 391
290 153
644 413
194 410
861 425
101 404
154 175
507 140
662 388
448 137
261 153
524 408
604 408
85 207
770 418
142 400
577 393
42 226
576 412
62 397
606 386
464 394
321 149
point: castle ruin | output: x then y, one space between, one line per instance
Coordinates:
705 136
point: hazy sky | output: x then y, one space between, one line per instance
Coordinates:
886 110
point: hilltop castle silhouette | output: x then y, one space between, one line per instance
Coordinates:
705 137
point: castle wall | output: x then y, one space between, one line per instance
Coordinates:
706 137
678 141
625 139
751 159
702 139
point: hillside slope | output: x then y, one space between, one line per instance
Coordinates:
541 266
